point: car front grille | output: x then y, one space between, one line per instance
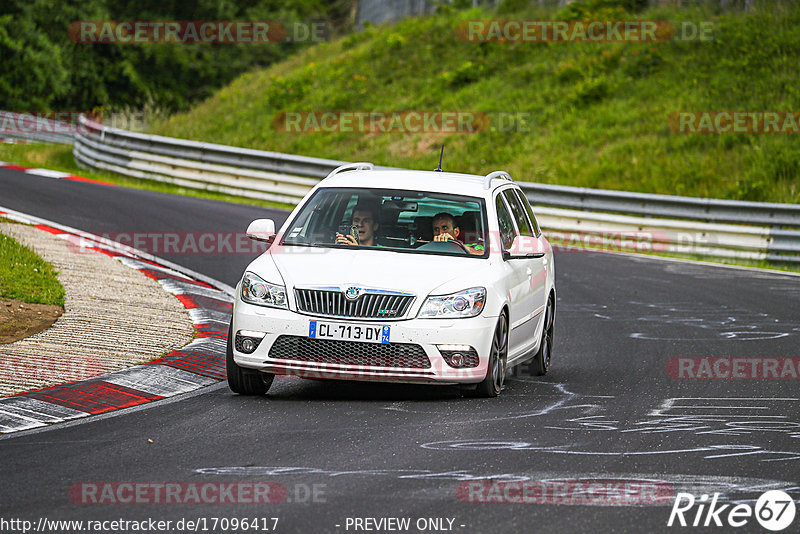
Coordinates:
332 351
366 306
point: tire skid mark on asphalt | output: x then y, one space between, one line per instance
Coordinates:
720 421
723 323
200 363
733 489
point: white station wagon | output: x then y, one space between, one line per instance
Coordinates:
397 276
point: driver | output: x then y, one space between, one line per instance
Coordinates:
445 229
365 216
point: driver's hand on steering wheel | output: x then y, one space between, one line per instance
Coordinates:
444 237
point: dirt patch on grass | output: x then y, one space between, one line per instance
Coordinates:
19 320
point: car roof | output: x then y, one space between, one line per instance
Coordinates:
438 182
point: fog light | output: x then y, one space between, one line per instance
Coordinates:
459 356
247 341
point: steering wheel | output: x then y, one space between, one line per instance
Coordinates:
434 245
461 245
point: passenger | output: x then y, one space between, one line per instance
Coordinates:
365 217
445 229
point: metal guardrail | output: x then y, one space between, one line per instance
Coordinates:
211 167
699 209
581 230
752 230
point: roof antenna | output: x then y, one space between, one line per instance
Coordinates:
439 168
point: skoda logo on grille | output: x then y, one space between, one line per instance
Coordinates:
352 293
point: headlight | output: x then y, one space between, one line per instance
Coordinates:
467 303
257 291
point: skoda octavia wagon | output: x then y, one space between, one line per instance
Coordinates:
397 276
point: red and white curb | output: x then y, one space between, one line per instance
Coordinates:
198 364
47 173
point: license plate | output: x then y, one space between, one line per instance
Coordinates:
349 332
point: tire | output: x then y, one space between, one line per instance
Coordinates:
541 362
242 380
496 372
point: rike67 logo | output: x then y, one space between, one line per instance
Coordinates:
774 510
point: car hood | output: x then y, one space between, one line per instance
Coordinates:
421 274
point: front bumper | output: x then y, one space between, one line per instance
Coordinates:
426 333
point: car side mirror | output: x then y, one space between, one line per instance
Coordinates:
525 246
262 230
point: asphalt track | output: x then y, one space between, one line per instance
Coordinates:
608 410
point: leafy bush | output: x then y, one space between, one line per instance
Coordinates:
465 73
590 91
46 70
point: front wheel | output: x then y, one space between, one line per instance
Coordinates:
242 380
496 373
541 362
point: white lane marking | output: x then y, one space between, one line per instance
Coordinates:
161 380
670 405
15 421
47 173
176 287
23 425
40 409
22 413
139 265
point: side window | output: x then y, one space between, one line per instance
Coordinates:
505 223
519 212
536 230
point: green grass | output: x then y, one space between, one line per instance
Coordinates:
59 158
597 113
27 277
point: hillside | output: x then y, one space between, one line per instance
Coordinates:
594 114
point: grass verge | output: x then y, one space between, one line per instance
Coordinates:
27 277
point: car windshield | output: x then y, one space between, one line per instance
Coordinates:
392 220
